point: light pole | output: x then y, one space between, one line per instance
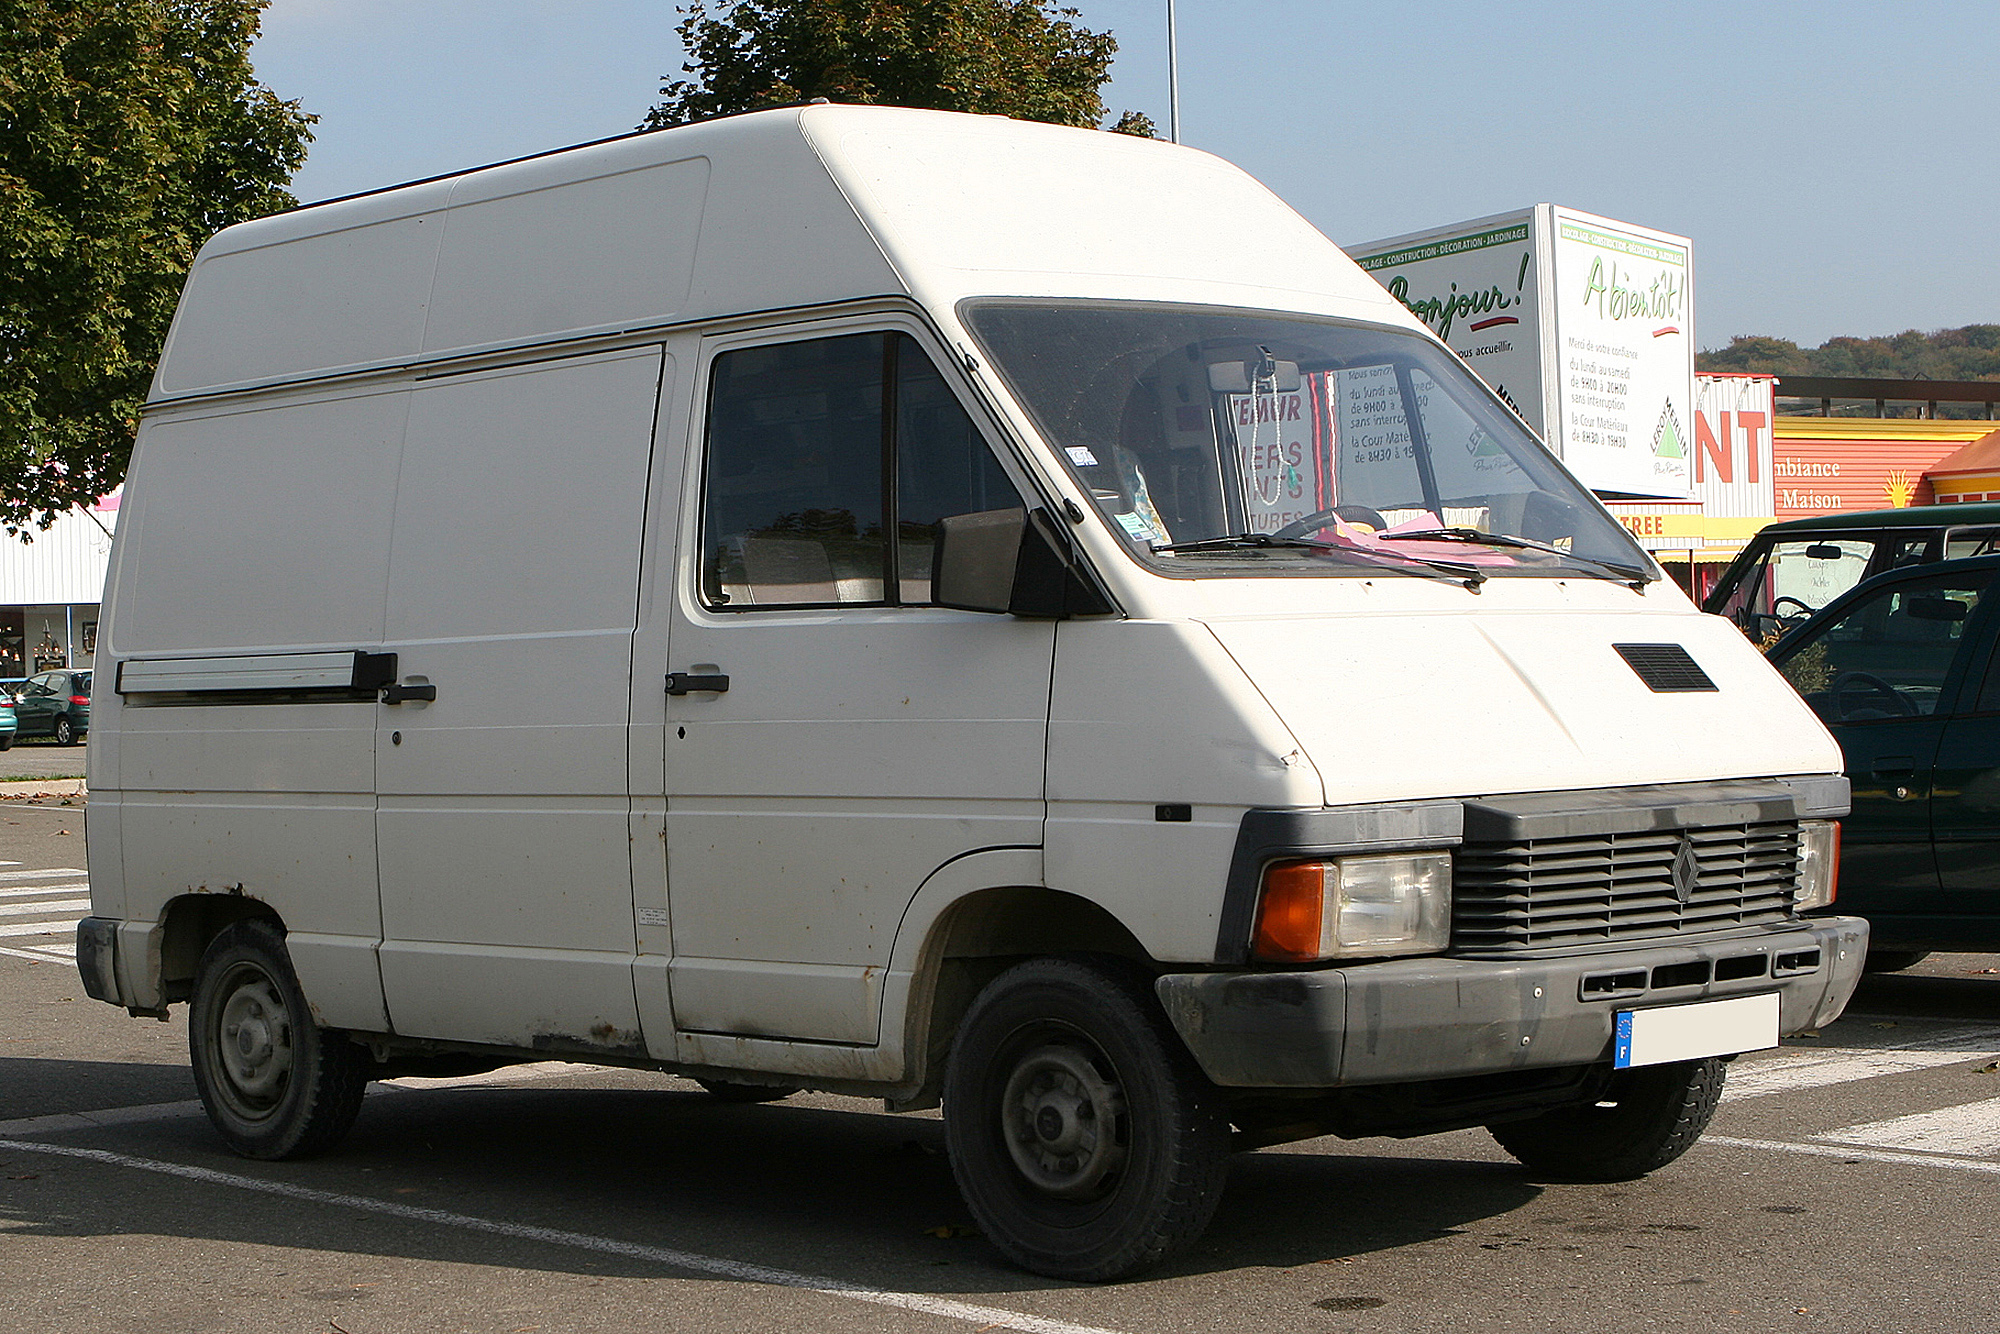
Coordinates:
1173 82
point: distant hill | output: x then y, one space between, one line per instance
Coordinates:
1971 353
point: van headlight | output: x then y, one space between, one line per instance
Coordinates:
1336 907
1819 864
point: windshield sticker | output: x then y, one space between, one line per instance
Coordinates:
1081 456
1137 528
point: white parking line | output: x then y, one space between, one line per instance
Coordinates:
987 1317
50 905
1986 1165
43 954
1818 1069
62 928
45 872
1971 1130
53 887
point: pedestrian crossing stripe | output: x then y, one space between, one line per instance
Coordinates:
1971 1130
43 954
49 906
66 927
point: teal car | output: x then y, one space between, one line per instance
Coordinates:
8 722
55 705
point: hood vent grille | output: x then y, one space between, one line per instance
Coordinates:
1665 668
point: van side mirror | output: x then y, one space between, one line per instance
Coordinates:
1012 562
972 566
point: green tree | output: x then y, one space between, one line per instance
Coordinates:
1015 58
130 131
1969 353
1765 356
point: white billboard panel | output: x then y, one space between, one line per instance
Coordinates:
1582 323
1624 353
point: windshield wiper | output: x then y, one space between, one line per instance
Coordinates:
1625 574
1469 575
1237 541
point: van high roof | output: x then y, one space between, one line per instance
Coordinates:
777 210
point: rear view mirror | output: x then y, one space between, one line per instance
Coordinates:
1937 609
1824 551
1261 373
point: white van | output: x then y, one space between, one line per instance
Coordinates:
933 607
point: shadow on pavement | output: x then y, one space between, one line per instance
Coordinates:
38 1086
1944 986
862 1195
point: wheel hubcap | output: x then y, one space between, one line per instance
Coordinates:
255 1044
1061 1120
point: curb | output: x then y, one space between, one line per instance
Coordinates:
44 787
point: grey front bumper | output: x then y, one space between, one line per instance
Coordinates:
1438 1018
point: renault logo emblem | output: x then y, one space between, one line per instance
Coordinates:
1687 871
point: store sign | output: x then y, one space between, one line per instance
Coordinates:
1733 466
1662 525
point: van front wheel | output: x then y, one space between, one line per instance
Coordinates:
1644 1119
1085 1140
274 1084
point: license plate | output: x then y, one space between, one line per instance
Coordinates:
1690 1032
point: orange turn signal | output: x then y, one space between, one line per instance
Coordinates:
1288 917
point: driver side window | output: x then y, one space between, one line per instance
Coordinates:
1890 654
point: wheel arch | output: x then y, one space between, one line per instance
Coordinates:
972 919
188 923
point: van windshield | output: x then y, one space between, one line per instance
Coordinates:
1216 440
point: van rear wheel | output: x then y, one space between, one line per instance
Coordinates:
1644 1119
1085 1140
274 1084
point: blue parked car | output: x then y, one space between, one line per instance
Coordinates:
8 722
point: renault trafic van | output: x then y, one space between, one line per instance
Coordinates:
927 606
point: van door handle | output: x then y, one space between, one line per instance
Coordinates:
682 683
1893 766
395 694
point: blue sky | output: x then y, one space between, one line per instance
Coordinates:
1834 161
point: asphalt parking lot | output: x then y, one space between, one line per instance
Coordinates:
1850 1181
36 757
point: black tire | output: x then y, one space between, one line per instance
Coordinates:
1643 1120
6 743
1894 961
64 733
274 1084
728 1090
1050 1052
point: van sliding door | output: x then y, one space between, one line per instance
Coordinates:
513 583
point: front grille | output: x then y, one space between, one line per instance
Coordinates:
1537 893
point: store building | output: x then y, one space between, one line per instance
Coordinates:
1971 474
1768 448
50 587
